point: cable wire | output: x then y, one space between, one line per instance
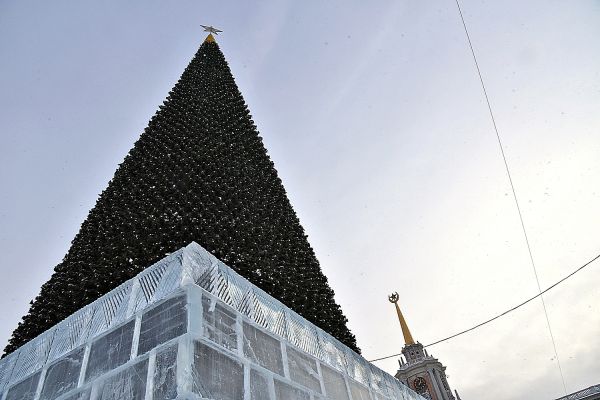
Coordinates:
513 191
501 314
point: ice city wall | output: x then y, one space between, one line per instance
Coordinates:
189 327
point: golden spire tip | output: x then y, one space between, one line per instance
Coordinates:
210 38
408 339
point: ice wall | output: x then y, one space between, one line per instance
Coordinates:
189 327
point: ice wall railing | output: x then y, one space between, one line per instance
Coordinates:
189 327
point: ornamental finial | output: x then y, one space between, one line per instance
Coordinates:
211 29
393 298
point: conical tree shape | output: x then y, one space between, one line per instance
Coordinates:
199 172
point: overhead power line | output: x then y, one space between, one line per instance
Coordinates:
514 192
501 314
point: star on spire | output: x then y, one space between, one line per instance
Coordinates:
211 29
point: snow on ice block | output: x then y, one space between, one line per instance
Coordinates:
189 328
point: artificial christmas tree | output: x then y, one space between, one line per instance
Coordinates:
199 172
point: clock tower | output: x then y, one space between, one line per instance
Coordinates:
418 370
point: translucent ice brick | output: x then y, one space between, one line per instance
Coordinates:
262 349
303 370
216 375
259 386
303 335
79 395
359 392
333 352
32 356
24 390
62 375
165 372
71 333
358 368
219 323
283 391
110 351
335 386
163 322
6 367
379 384
129 384
268 312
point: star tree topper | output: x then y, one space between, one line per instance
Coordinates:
211 29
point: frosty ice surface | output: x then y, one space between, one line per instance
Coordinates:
187 328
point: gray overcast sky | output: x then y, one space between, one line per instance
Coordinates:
375 119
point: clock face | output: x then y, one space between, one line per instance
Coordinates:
420 385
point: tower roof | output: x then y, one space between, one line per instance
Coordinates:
199 172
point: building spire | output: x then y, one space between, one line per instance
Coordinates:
408 339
